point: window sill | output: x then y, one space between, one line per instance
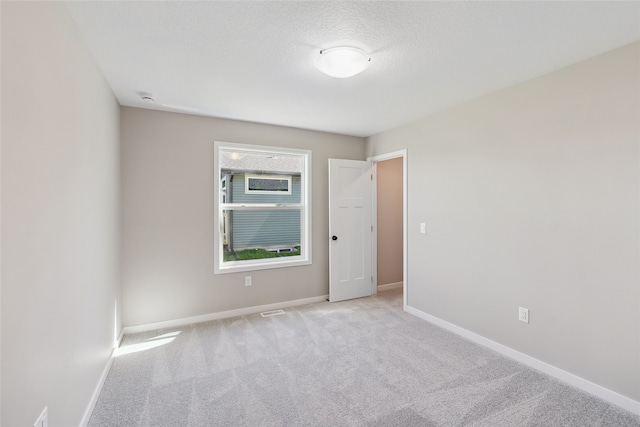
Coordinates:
254 265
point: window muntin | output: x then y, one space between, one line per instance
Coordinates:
262 211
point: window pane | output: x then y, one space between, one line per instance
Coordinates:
234 190
260 233
268 184
273 163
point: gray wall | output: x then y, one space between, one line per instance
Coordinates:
167 216
60 210
531 198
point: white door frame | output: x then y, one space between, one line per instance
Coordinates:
374 250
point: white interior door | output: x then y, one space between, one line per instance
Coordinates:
350 229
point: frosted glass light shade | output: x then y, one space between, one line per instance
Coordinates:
342 61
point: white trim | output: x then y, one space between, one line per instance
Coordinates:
374 230
388 156
222 315
404 153
560 374
390 286
96 392
120 337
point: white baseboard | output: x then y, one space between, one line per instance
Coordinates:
98 389
562 375
389 286
221 315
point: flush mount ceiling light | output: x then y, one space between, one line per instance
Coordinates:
342 61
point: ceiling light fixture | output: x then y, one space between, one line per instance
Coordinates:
342 61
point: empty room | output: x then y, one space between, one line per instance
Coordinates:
319 213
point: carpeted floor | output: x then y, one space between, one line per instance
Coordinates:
355 363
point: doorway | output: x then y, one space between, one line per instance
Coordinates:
390 231
354 226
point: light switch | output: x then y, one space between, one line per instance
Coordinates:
423 227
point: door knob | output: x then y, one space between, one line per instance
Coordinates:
334 237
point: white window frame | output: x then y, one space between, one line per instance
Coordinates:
221 267
249 176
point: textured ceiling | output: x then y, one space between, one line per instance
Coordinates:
255 61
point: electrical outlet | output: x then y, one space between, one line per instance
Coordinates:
43 419
247 280
523 315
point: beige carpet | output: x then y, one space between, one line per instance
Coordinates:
355 363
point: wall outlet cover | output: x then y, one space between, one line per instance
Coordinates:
43 419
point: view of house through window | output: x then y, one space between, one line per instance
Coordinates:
262 208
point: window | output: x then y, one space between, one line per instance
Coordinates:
267 184
262 211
